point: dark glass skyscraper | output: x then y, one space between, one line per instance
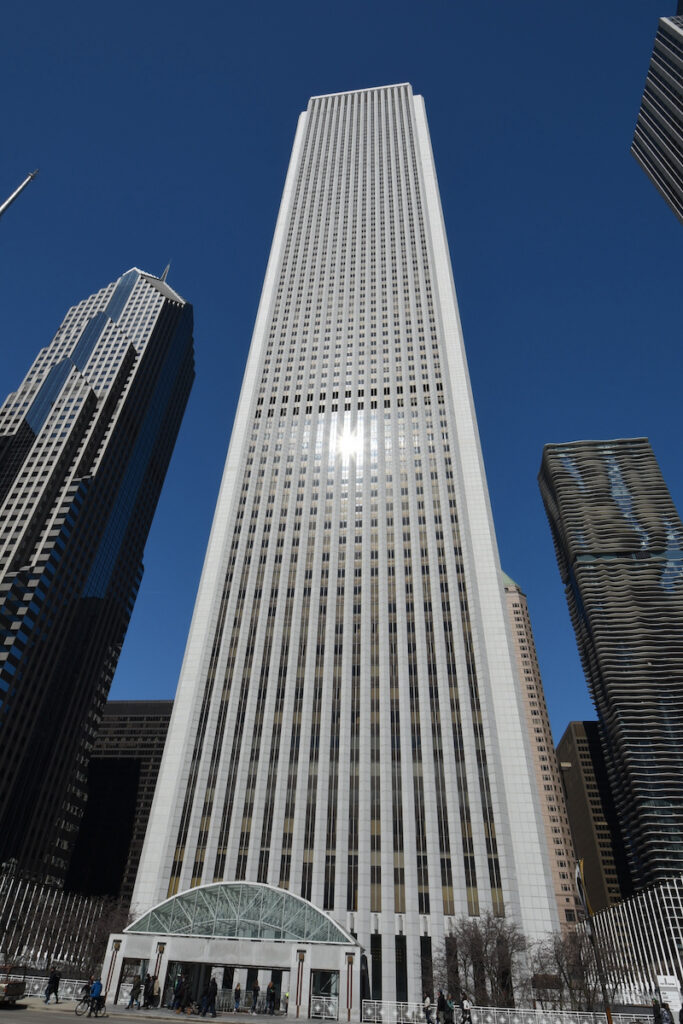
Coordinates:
84 446
619 545
122 774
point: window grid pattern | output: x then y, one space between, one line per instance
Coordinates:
658 139
619 545
338 749
84 446
355 270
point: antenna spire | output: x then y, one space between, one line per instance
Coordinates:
165 273
8 202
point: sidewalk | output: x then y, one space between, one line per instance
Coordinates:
160 1013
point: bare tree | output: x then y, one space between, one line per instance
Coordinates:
485 958
566 974
113 919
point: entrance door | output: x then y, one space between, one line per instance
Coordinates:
129 969
324 995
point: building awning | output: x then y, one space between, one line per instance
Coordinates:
241 910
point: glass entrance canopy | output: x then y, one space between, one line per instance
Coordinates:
241 910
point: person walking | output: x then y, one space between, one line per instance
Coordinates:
147 992
466 1010
441 1007
255 989
211 994
135 993
53 985
178 993
237 996
427 1007
204 1001
270 998
156 991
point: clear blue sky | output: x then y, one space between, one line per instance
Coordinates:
162 132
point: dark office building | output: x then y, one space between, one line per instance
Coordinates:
619 546
591 814
658 140
122 774
85 442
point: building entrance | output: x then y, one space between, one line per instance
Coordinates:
281 950
186 982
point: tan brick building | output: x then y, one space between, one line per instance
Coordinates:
546 771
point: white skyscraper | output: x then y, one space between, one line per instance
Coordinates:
348 722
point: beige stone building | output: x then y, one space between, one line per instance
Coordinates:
546 771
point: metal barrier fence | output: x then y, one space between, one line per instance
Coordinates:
385 1012
325 1007
42 924
69 988
494 1015
376 1010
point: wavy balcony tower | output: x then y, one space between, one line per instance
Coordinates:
348 722
619 545
658 138
85 442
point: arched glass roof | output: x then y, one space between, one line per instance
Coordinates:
241 910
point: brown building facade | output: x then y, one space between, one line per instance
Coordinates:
591 816
553 810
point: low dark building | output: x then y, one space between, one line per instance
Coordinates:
591 814
121 778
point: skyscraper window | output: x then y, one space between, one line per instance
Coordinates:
360 744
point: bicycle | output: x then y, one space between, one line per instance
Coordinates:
84 1005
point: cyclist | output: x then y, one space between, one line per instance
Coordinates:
96 1000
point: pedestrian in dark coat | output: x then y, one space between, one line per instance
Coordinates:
270 998
135 993
211 994
204 1001
255 989
53 985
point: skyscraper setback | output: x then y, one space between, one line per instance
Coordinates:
85 442
348 721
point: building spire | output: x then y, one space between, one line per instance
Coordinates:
8 202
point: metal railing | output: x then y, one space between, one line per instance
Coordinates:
69 988
376 1011
325 1007
495 1015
